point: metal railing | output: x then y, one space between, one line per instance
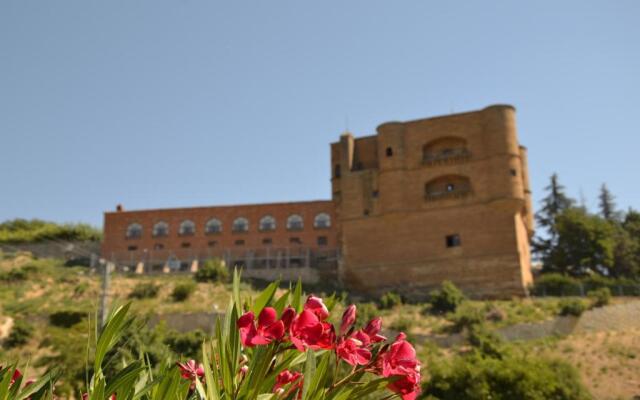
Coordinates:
458 192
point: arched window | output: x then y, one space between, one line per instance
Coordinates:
336 171
187 228
447 149
447 186
267 223
240 224
295 222
134 231
161 229
322 220
213 226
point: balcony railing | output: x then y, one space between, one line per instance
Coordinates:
458 192
446 156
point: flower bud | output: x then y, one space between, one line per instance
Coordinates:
348 318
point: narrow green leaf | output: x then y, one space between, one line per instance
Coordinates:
296 302
282 302
211 382
265 297
309 372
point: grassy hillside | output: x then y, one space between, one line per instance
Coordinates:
47 310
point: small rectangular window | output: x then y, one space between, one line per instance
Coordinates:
239 242
185 245
267 241
212 243
158 246
453 240
295 240
514 172
132 248
322 241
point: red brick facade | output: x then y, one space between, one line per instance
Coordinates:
419 202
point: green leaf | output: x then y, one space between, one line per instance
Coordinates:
296 302
309 372
112 331
264 298
319 375
210 380
282 302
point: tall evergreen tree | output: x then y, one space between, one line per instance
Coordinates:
607 205
553 205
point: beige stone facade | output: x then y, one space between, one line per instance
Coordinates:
419 202
434 199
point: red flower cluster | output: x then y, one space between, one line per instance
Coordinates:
191 371
310 330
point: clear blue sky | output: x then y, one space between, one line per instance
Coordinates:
157 103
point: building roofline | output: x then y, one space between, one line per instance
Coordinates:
281 203
412 121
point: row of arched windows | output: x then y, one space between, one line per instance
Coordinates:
267 223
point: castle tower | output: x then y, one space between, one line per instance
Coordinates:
434 199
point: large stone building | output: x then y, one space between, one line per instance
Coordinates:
419 202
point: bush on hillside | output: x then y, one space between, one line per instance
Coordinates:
446 299
20 334
14 275
466 316
389 300
182 291
600 297
144 290
556 285
477 377
25 231
572 307
187 345
66 318
212 271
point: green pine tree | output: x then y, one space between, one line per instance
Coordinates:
553 205
607 205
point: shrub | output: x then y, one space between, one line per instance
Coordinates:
446 299
212 271
574 307
23 231
465 317
402 324
494 313
14 275
20 334
66 318
389 300
475 377
556 285
188 345
600 297
182 291
144 290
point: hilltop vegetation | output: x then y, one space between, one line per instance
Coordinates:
33 231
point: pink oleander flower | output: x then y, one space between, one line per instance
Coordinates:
348 319
372 329
308 331
287 377
316 306
400 360
353 351
268 329
408 386
287 317
192 371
